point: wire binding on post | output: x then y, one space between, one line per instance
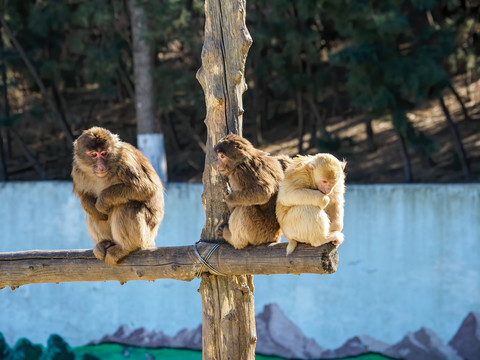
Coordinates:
205 260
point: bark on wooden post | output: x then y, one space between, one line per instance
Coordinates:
228 302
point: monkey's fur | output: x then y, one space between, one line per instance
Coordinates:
254 178
120 192
304 212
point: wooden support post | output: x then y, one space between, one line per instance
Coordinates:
228 303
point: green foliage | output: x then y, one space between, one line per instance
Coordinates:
287 43
396 60
176 30
424 4
390 56
394 57
399 68
25 350
117 352
4 348
57 349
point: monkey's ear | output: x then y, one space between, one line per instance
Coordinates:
310 162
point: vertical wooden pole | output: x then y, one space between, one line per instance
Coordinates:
228 301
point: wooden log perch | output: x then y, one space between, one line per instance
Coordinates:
179 263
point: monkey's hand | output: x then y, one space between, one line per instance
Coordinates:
99 216
88 204
219 229
324 202
307 197
103 206
335 237
255 196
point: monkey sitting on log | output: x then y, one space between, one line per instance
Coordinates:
254 177
310 203
120 192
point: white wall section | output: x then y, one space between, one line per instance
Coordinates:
411 258
153 147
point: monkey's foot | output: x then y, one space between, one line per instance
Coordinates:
219 229
336 238
223 231
227 235
115 253
292 244
100 250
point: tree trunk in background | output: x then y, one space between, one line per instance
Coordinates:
372 146
3 160
6 106
150 139
228 303
301 121
457 140
407 164
460 101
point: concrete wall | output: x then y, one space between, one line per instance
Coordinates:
411 258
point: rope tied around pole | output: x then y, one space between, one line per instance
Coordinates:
204 261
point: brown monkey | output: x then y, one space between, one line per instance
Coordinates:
310 201
120 192
253 176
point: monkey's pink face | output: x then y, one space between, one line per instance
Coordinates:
324 183
99 159
325 186
222 164
325 179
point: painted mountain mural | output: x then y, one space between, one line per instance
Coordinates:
467 339
279 336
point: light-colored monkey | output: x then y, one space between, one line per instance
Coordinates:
120 192
310 201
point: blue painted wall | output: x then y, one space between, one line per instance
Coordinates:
411 258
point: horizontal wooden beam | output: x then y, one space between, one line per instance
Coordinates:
179 263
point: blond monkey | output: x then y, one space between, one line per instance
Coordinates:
310 201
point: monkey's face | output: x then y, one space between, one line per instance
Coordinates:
326 172
326 185
326 179
223 164
94 149
99 159
232 150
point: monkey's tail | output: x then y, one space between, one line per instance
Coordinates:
292 244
